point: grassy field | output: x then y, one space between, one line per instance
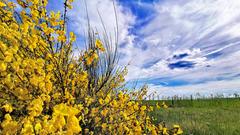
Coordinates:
202 117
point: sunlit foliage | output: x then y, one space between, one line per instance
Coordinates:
45 89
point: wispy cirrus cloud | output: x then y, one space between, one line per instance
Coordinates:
188 41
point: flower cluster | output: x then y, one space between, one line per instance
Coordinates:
44 89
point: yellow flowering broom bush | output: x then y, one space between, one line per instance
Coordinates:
44 89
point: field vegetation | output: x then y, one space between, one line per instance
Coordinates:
217 116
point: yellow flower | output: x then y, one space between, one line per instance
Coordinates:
9 127
69 6
3 46
104 112
164 105
89 61
104 126
150 108
59 121
126 128
177 130
73 125
65 110
72 37
176 126
99 45
8 57
3 66
49 86
110 118
100 101
158 106
114 103
97 119
61 38
94 55
2 4
38 127
180 131
160 127
56 95
94 111
15 65
143 108
136 107
71 66
28 128
8 117
138 129
61 109
34 80
8 108
36 107
165 131
154 132
107 99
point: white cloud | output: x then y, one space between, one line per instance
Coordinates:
198 27
78 17
213 87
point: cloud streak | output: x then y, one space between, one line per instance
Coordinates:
206 34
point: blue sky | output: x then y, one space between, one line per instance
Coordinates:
177 47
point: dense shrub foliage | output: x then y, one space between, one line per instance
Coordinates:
44 89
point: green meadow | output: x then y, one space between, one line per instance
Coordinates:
201 117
